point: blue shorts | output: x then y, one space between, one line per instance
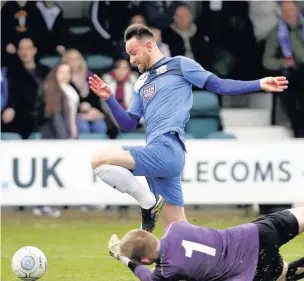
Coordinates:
161 162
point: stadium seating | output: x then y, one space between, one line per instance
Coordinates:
202 127
35 136
205 114
49 61
205 104
10 136
221 135
98 62
79 30
131 136
93 136
189 136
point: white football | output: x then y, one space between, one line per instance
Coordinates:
29 263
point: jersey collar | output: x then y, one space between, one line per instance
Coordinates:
160 62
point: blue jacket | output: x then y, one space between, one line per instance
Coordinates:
4 92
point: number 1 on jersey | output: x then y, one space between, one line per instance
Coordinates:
192 246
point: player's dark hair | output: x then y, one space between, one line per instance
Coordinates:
139 31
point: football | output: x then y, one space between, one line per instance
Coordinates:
29 263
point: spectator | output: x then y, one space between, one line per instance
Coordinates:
110 19
90 117
284 55
185 38
230 30
4 93
51 28
59 105
158 13
24 78
121 81
137 19
264 19
18 18
164 48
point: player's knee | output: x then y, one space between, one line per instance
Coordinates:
100 158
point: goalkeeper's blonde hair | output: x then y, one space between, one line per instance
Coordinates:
137 244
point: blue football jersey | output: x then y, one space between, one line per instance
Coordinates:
163 95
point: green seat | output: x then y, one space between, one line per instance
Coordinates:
98 62
79 30
50 61
93 136
202 127
221 135
10 136
135 136
189 136
205 104
35 136
140 130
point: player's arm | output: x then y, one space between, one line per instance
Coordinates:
142 272
231 87
127 122
201 78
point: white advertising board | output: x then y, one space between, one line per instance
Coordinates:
216 172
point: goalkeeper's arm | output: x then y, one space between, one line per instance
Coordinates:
142 272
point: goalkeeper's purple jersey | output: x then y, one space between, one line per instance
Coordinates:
189 252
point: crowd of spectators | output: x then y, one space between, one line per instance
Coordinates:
236 39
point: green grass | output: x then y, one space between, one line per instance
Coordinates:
76 244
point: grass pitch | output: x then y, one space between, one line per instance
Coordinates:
76 244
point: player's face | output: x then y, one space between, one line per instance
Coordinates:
139 52
63 74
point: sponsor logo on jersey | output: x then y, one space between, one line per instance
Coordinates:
162 69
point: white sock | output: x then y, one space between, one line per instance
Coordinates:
123 180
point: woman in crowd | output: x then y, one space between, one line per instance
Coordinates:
60 105
90 118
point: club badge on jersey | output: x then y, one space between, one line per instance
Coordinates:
148 92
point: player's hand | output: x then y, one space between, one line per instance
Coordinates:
274 84
99 87
113 246
8 115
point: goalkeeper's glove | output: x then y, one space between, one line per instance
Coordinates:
113 247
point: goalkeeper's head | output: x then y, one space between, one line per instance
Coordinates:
140 247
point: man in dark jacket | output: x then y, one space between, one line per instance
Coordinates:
24 78
284 55
185 38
